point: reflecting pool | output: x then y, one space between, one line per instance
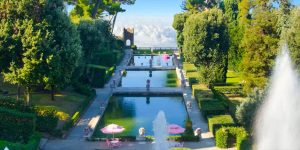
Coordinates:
136 112
139 78
158 60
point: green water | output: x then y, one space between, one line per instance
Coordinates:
136 112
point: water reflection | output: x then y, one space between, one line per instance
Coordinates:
139 78
156 61
133 113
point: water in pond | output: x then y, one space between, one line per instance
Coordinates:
157 61
139 78
136 112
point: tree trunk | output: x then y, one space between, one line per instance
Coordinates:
52 92
19 92
95 9
114 22
27 95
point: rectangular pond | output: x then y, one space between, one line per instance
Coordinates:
157 79
135 112
158 60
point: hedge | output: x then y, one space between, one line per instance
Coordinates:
216 122
12 103
32 144
46 118
15 125
229 89
212 107
224 134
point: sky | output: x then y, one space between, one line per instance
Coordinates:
152 21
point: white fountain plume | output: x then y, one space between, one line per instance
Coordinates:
160 132
278 120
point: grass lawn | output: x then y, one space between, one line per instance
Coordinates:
189 67
66 103
172 79
234 78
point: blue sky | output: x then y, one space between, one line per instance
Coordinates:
152 20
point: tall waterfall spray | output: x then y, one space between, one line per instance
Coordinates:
278 120
160 132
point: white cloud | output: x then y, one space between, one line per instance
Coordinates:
149 31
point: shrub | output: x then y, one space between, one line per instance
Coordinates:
15 125
32 144
216 122
134 47
77 114
83 89
212 107
239 134
46 118
229 89
12 103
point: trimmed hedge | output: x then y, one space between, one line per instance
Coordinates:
46 118
32 144
229 89
212 107
216 122
12 103
15 125
240 135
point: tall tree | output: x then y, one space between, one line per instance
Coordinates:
44 43
260 45
294 37
206 44
178 25
65 51
234 52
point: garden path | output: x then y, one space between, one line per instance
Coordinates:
102 96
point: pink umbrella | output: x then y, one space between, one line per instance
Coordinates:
112 129
165 57
175 129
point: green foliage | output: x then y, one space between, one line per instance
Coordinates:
16 126
239 134
45 46
206 44
261 44
12 103
212 107
93 9
229 89
178 25
83 89
171 79
294 37
32 144
47 118
246 112
234 52
81 109
216 122
134 47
